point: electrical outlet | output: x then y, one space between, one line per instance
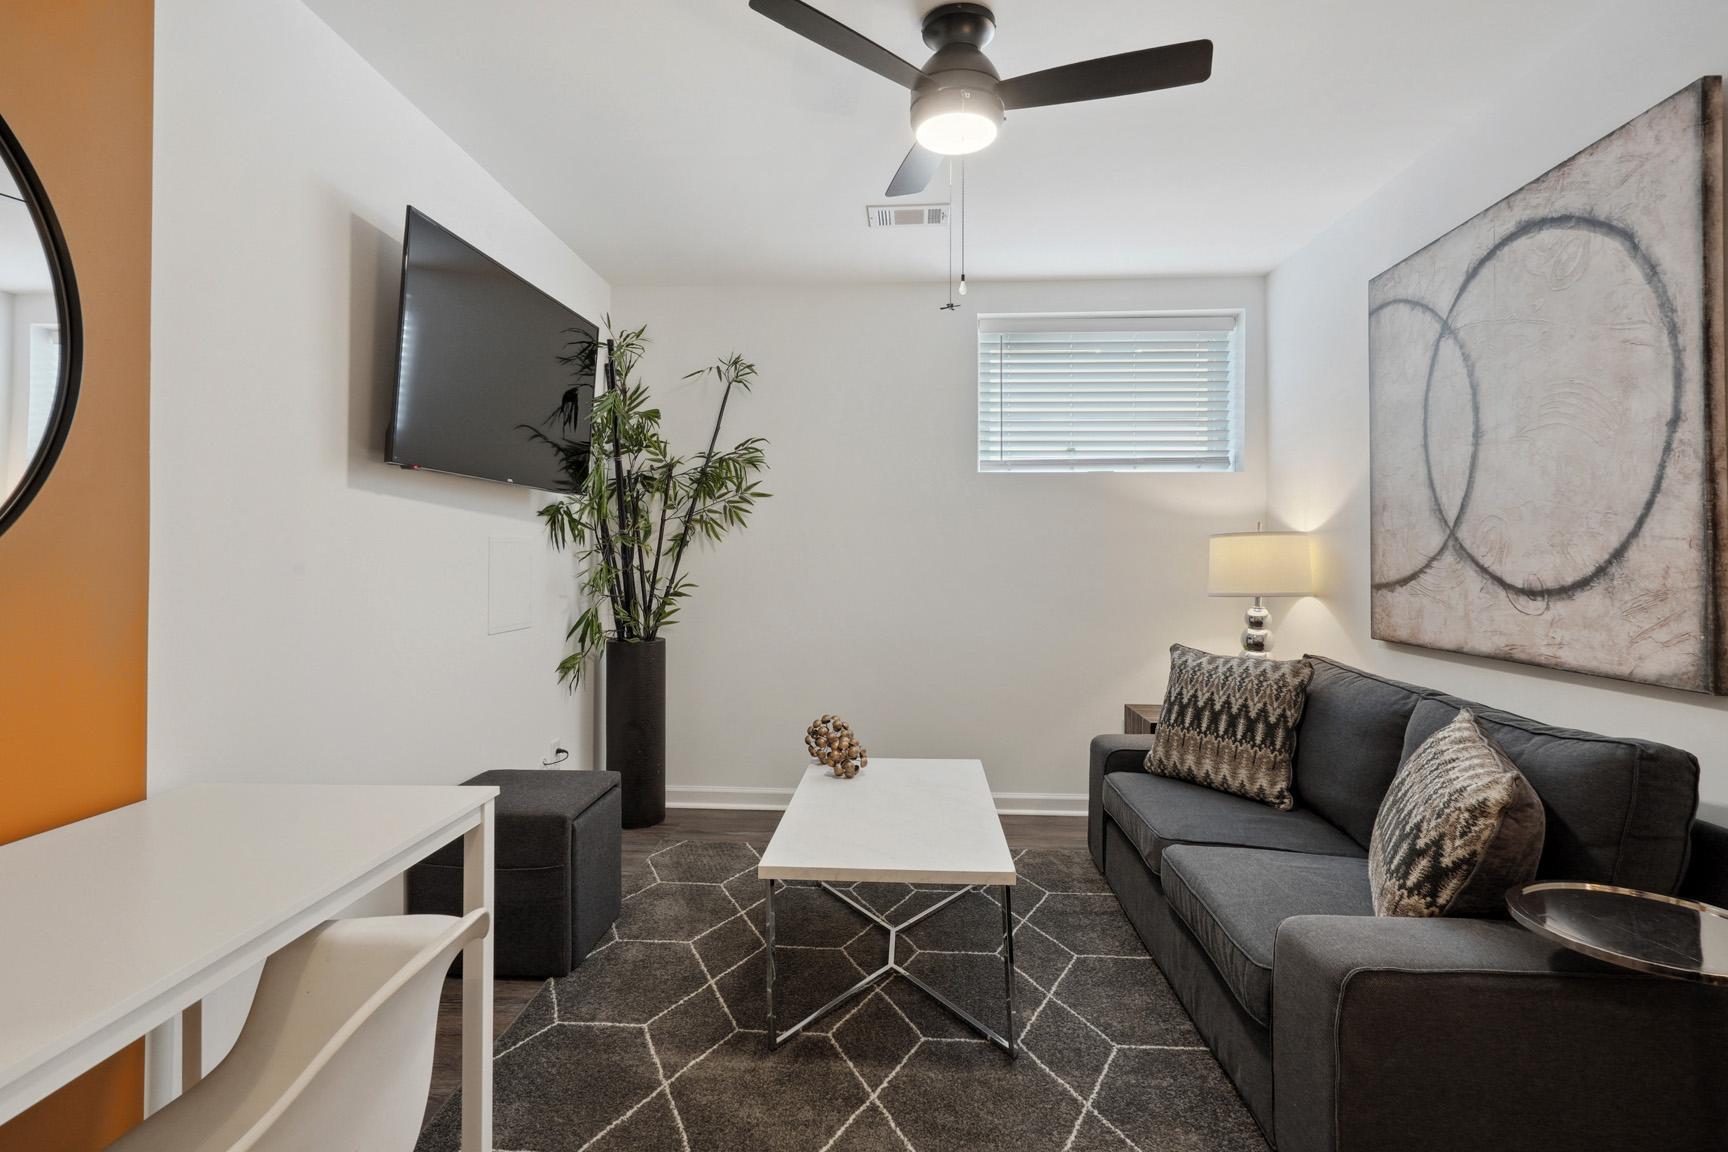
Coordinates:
556 755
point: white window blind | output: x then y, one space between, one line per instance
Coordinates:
1107 394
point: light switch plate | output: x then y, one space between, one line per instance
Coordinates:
509 604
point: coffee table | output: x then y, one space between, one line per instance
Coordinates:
896 822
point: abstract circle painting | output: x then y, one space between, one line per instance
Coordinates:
1541 380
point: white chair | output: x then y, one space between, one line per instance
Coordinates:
336 1054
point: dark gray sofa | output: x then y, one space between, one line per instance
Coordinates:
1347 1032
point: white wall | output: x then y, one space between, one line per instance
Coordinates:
315 614
1603 75
8 396
18 311
942 612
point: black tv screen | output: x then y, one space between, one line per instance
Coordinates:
483 359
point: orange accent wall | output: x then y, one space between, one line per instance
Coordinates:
75 85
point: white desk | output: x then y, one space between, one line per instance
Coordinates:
118 923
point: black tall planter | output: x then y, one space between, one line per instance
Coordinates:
636 727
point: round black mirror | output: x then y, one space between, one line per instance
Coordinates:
41 334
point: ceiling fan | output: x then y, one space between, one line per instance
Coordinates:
958 100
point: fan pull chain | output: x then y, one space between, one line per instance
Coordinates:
962 225
950 306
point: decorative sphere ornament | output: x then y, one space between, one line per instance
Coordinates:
830 742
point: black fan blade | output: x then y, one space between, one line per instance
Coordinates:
1148 70
916 171
836 37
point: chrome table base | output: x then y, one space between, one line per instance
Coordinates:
894 968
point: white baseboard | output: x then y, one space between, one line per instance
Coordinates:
1040 803
739 796
775 799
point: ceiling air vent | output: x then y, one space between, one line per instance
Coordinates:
906 215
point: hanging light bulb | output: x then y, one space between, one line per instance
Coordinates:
962 283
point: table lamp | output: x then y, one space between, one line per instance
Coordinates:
1260 564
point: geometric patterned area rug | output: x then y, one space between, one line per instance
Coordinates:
658 1042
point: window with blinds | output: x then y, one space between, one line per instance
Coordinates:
1108 394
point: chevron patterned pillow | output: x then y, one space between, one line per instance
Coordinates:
1229 723
1459 826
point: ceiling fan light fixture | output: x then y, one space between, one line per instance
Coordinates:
958 97
956 121
957 133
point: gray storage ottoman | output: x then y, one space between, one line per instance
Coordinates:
556 868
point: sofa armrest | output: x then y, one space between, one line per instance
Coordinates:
1113 752
1440 1034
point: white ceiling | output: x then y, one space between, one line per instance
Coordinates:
685 142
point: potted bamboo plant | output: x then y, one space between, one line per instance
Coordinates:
631 514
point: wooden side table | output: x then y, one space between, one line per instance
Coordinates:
1141 719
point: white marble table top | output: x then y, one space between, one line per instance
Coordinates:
905 821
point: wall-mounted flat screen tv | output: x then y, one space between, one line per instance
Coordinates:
483 361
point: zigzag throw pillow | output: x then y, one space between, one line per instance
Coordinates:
1459 826
1229 723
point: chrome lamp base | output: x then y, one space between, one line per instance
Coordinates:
893 968
1256 637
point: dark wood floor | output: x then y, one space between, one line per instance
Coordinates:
511 996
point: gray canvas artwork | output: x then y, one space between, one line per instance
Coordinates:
1546 429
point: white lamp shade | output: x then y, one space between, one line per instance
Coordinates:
1260 564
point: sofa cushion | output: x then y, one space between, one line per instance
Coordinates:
1619 811
1156 812
1233 899
1350 743
1460 826
1229 722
